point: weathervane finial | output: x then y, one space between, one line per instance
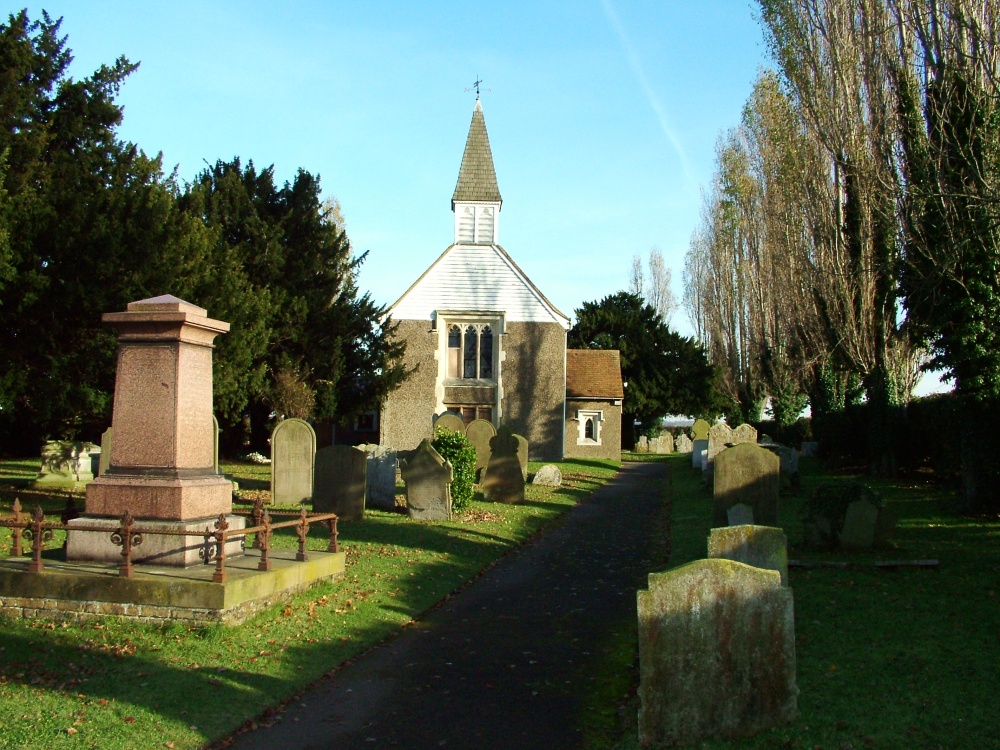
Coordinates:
476 86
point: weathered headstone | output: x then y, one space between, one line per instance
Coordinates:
548 476
106 438
662 445
683 444
765 440
860 523
293 452
750 475
380 477
522 455
340 482
809 447
480 432
504 482
699 430
428 484
449 421
719 436
739 515
744 433
643 445
66 464
788 458
697 446
761 546
716 653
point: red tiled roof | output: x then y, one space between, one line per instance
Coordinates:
593 373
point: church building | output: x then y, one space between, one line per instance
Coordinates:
485 341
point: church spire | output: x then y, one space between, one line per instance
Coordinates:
476 200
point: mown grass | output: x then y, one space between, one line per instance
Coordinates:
117 684
902 658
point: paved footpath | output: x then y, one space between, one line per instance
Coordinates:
499 665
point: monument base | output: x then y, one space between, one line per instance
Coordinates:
174 550
164 498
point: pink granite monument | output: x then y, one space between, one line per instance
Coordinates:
161 467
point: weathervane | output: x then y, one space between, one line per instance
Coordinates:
476 86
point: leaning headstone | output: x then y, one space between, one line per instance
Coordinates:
683 444
480 432
504 482
380 477
697 446
449 421
340 482
859 525
761 546
293 452
522 455
740 515
106 437
548 476
66 464
643 445
719 436
716 653
744 434
699 430
750 475
428 484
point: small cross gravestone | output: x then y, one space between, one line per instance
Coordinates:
340 482
428 480
699 430
504 482
761 546
293 452
716 653
750 475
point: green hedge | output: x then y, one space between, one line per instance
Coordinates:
456 448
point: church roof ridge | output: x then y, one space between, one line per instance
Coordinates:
477 177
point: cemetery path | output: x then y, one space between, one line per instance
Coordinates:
499 665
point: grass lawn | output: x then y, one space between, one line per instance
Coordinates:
890 659
117 684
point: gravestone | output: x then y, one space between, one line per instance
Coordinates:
683 444
106 438
697 446
449 421
662 445
809 447
293 452
744 434
480 432
761 546
719 435
428 484
548 476
699 430
703 459
739 515
765 440
339 485
380 477
161 467
66 464
750 475
788 458
885 526
860 523
716 653
504 482
522 455
643 445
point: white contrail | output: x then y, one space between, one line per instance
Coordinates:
654 101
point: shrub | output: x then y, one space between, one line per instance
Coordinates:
456 448
829 504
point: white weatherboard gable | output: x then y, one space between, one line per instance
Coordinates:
476 277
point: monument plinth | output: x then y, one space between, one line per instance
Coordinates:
162 463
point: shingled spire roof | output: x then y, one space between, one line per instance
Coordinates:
477 179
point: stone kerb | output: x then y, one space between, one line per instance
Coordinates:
428 480
716 653
480 432
340 482
760 546
293 455
750 475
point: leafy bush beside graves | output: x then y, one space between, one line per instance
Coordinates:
456 448
826 509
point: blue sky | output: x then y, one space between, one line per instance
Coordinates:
603 115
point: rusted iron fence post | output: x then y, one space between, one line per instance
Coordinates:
264 543
258 517
302 530
16 530
38 539
221 526
333 546
126 538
